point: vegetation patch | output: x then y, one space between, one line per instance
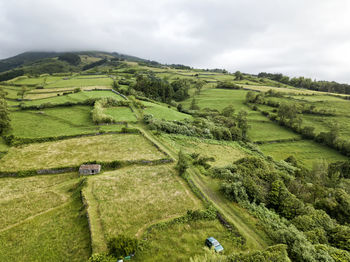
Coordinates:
45 210
73 152
306 151
131 199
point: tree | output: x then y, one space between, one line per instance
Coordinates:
228 111
182 163
4 116
22 92
194 105
115 85
198 85
238 76
243 123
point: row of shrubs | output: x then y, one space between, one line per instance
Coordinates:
12 140
104 165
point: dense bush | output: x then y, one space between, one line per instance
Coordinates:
228 85
122 246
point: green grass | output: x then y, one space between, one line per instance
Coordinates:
269 131
179 242
224 153
73 152
121 114
82 81
163 112
219 99
306 151
129 200
42 220
76 97
52 122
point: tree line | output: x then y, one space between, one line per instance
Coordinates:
308 83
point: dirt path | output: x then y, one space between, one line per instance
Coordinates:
34 216
239 217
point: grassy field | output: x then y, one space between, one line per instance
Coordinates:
81 81
76 97
219 99
305 151
223 152
131 199
121 114
52 122
42 220
269 131
73 152
163 112
179 242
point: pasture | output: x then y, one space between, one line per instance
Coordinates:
42 219
305 151
121 114
76 97
52 122
163 112
223 152
75 151
269 131
129 200
81 81
179 242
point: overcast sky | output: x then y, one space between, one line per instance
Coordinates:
294 37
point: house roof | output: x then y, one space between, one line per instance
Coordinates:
88 167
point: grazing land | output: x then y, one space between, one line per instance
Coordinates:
75 151
45 210
133 198
258 164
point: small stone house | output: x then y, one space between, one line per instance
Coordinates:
89 169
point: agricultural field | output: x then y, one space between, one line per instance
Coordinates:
306 151
163 112
219 99
121 114
76 97
224 153
45 210
178 242
264 131
61 121
67 217
131 199
81 81
75 151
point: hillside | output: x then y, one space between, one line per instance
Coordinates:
185 154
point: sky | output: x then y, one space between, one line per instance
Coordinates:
295 37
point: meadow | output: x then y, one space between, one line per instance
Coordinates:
121 114
163 112
42 219
179 242
224 153
52 122
263 131
131 199
307 152
75 151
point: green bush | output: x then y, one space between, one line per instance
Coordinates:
122 246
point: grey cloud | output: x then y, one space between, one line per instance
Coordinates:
294 37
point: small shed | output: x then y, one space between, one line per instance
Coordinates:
89 169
